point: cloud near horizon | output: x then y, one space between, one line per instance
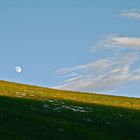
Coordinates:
133 14
101 75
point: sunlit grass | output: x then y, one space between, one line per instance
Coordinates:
39 93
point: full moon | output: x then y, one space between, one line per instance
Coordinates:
18 69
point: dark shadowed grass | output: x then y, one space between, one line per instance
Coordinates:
27 119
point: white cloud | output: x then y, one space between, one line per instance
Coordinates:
100 63
101 75
106 74
115 41
133 14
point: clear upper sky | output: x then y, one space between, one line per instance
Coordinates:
85 45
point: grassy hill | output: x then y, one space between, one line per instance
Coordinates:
35 113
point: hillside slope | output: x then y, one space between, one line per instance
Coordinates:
35 113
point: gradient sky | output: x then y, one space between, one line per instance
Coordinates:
93 44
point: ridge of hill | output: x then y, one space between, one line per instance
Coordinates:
35 92
30 112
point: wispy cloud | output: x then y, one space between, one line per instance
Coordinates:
101 75
133 14
116 41
106 74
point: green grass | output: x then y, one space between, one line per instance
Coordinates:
36 113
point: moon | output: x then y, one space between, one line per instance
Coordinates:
18 69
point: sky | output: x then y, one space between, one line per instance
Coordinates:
83 45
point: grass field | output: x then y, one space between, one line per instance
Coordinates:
36 113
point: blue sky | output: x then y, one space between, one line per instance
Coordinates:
66 43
